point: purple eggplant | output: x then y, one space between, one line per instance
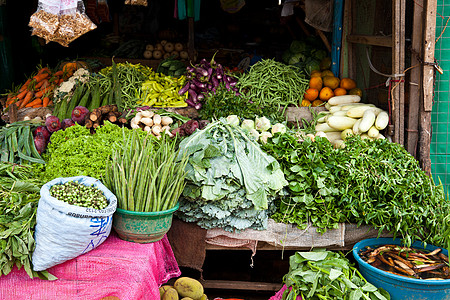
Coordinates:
202 72
184 89
215 82
199 84
190 102
200 97
210 71
190 69
193 95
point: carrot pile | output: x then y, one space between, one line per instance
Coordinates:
37 91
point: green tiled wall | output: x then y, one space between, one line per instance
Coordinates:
440 116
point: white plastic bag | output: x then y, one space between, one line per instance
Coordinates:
45 20
64 231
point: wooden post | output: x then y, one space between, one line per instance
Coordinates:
398 66
427 84
415 81
191 37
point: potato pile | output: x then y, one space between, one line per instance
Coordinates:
165 49
184 288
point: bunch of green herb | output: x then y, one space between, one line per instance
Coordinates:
19 196
225 102
377 183
324 275
75 152
314 188
145 175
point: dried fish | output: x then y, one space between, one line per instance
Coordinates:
408 262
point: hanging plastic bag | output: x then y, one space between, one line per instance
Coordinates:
45 20
136 2
73 22
65 231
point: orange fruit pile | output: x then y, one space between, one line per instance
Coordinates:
324 85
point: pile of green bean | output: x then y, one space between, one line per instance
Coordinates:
78 194
271 83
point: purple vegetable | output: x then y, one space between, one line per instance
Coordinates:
43 130
210 71
233 83
200 97
52 123
202 124
190 69
193 95
79 114
66 123
190 102
184 89
190 126
202 72
40 142
198 106
192 86
227 85
215 82
198 83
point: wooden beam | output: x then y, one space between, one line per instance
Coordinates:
383 41
427 84
415 81
398 66
240 285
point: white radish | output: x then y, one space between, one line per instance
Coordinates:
355 128
324 127
147 121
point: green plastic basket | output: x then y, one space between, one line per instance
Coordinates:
142 227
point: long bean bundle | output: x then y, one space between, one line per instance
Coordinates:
144 174
271 83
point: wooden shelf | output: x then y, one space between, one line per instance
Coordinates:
383 41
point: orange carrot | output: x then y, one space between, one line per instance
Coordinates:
10 101
42 92
26 100
43 70
34 102
50 103
25 85
37 106
60 81
40 77
59 73
18 103
39 84
45 101
22 94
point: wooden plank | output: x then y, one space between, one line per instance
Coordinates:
384 41
324 39
428 54
241 285
398 65
415 80
427 85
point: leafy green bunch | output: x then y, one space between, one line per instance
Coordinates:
19 196
323 275
377 183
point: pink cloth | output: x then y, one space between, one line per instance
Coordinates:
279 294
118 268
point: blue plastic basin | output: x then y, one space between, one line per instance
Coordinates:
399 287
